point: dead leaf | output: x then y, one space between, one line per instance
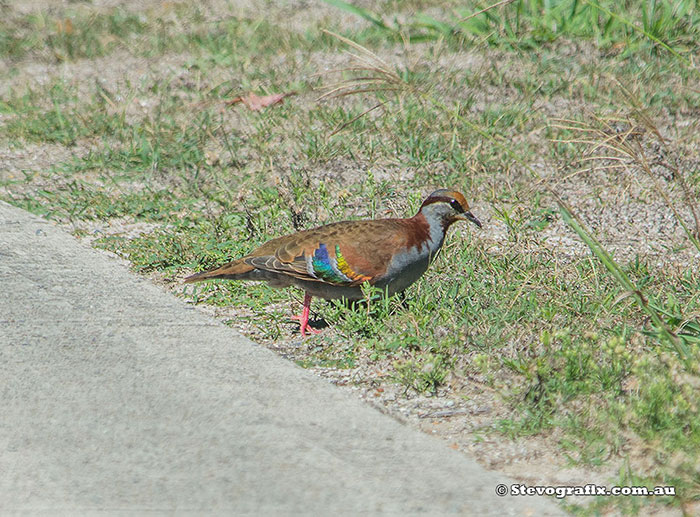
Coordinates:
64 26
256 103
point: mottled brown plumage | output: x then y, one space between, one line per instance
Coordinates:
333 261
366 245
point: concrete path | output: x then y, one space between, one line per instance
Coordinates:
116 397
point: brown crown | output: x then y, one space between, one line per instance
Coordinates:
446 196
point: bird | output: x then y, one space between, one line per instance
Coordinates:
334 261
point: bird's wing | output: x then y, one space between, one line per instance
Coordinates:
346 253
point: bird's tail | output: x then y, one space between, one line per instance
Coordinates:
236 270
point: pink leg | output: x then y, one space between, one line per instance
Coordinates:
304 318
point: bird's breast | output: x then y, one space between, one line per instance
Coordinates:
406 267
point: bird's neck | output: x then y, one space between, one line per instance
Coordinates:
432 231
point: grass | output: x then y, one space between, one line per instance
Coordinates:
73 35
580 316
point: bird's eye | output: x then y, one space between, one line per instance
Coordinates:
455 204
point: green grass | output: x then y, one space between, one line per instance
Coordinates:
73 35
530 24
562 339
61 119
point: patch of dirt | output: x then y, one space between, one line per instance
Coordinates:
16 161
123 78
25 170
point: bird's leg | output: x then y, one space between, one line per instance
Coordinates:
304 317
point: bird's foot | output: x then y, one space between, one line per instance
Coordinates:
304 325
303 318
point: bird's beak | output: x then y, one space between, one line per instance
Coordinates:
468 216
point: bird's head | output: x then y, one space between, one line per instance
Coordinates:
447 206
